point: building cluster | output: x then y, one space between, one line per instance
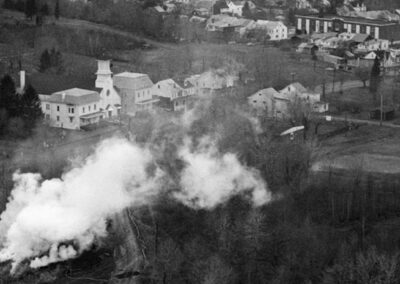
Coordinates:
228 22
350 42
126 94
281 104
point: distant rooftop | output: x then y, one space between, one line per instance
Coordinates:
74 96
130 75
348 19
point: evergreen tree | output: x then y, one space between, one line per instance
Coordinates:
57 10
8 4
291 17
44 10
20 6
375 75
8 96
45 61
30 8
246 13
31 107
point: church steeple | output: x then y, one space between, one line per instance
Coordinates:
104 74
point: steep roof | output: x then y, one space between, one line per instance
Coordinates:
73 96
267 93
360 37
132 81
166 88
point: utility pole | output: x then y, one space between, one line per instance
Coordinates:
333 80
381 109
293 74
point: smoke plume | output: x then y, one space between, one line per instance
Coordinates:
43 215
211 178
48 221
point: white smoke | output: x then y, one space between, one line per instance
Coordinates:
42 215
211 178
54 220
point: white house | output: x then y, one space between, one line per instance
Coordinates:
72 108
212 80
236 7
297 91
373 45
275 29
135 90
171 96
110 99
263 101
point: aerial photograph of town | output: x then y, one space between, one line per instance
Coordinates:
200 141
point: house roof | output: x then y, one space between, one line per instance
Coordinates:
269 24
166 88
299 87
228 21
267 93
346 19
360 37
132 81
322 35
73 96
159 9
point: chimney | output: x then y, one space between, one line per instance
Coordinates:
63 97
22 79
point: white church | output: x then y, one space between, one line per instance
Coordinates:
114 95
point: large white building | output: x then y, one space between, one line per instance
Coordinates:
72 108
275 29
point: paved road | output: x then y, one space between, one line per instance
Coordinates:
362 121
338 86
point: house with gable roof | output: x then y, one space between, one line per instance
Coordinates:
171 95
135 90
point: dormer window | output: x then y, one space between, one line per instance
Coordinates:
108 93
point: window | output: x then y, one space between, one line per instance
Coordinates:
71 119
89 108
58 118
158 86
58 108
71 110
47 106
108 93
47 116
94 106
83 109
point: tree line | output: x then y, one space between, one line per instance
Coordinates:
19 111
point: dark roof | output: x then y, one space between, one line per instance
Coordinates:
360 38
350 19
